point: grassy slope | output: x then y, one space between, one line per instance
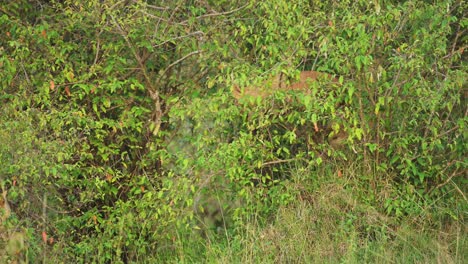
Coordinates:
328 223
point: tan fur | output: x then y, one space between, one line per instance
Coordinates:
4 207
280 82
12 242
336 137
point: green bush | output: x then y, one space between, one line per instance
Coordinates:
120 140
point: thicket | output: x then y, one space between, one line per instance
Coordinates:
120 139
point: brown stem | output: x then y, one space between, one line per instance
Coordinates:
153 92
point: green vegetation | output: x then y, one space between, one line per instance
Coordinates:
121 141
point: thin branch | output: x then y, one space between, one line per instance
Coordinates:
459 191
26 75
132 49
116 4
448 131
6 12
448 181
222 13
180 37
153 92
276 162
152 6
156 17
44 218
98 48
215 14
177 62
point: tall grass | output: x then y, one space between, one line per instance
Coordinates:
330 223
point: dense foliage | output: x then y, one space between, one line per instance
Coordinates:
120 139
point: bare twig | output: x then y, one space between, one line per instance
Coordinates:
177 62
116 4
180 37
185 22
44 218
153 92
459 33
6 12
222 13
276 162
25 73
156 17
98 47
152 6
450 180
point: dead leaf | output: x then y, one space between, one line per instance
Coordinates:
316 128
67 91
44 236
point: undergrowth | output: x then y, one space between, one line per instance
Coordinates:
330 221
